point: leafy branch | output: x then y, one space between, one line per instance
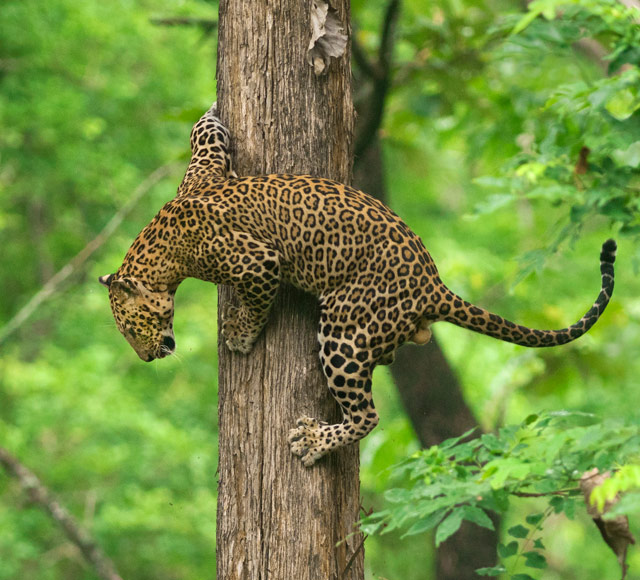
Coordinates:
581 147
542 457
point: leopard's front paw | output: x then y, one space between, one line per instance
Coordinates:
236 338
306 440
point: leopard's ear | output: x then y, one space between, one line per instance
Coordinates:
106 280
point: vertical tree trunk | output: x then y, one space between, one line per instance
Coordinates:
277 519
435 404
433 399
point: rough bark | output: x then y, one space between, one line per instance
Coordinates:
277 519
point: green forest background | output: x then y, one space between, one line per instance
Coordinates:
511 145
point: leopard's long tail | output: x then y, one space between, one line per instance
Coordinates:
460 312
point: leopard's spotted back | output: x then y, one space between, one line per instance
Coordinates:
377 285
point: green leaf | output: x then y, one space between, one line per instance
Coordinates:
531 419
569 508
622 104
535 560
453 441
617 209
518 531
372 525
397 495
477 516
492 443
525 21
425 524
522 577
493 203
629 157
534 519
511 549
557 503
504 468
449 526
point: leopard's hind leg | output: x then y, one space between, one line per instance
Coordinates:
352 343
359 329
348 371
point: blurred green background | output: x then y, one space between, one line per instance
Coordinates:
481 146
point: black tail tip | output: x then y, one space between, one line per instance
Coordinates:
608 253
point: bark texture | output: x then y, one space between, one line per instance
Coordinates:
277 519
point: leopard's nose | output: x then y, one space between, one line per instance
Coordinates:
169 343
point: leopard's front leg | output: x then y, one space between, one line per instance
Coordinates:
254 273
241 327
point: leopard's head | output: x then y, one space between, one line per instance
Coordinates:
143 316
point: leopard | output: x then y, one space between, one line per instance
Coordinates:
376 283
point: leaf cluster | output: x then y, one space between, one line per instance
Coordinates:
470 479
580 144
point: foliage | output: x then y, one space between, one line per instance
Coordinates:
579 147
91 96
625 480
544 456
566 135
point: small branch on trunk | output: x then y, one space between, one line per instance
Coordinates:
206 24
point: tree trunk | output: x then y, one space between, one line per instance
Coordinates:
433 398
277 519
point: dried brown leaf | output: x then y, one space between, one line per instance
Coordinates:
328 37
615 531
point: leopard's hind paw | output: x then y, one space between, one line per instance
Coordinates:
306 440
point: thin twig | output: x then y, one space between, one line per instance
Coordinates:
52 285
360 546
207 24
41 495
543 494
353 557
380 75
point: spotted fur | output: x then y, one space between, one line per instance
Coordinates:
377 285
